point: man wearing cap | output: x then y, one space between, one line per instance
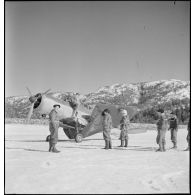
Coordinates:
53 128
173 127
124 126
107 126
161 128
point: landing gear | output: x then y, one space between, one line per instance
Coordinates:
72 129
47 138
70 133
78 137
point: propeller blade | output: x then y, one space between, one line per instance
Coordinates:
29 91
46 92
26 107
30 113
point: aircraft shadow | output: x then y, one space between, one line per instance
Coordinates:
38 140
60 140
103 146
96 139
85 148
27 149
99 146
138 148
33 150
133 148
84 139
26 140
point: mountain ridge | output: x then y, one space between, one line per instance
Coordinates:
161 92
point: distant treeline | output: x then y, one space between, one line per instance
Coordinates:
14 111
24 121
148 115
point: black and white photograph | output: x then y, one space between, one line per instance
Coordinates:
97 97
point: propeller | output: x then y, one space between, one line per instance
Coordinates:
30 112
46 92
29 91
33 99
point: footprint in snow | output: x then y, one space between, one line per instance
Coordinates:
48 164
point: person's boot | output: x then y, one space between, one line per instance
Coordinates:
188 148
110 145
54 149
174 146
50 146
163 147
122 143
126 142
107 144
160 148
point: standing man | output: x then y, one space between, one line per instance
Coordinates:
188 135
173 127
124 125
107 126
161 128
53 128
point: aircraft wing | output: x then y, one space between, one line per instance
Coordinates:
95 126
114 111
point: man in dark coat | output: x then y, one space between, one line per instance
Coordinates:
107 126
124 126
173 127
161 128
53 128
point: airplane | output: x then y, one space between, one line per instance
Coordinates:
87 122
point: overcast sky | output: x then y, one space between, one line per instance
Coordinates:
81 46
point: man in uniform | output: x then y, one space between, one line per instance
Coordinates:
53 128
107 126
124 125
161 128
173 127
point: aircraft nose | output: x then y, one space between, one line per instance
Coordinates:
32 99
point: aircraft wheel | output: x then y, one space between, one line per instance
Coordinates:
79 137
47 138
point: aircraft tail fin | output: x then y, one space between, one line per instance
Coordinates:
95 126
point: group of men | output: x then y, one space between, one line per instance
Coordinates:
163 123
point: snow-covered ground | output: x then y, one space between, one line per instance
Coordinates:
87 168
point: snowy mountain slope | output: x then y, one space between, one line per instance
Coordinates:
161 91
148 93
